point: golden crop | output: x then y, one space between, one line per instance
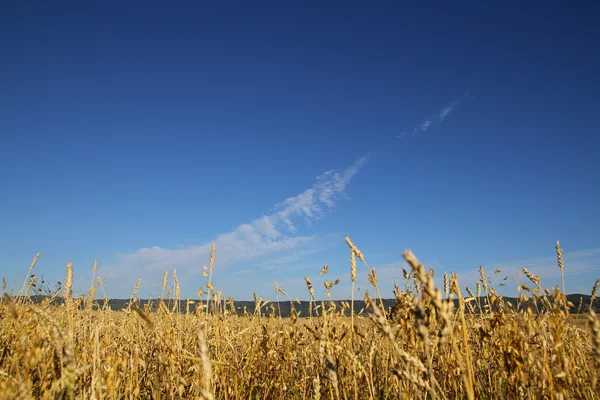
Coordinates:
434 344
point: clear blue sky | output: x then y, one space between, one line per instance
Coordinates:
137 133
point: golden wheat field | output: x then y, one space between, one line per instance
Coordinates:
436 343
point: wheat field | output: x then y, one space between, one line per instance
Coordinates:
436 343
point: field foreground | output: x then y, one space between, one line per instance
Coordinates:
425 347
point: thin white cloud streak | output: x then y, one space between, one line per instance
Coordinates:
324 193
268 234
435 118
425 125
448 109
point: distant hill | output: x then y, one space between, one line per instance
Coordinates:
303 307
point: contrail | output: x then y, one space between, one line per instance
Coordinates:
437 118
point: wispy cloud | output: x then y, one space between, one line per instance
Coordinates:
266 235
311 203
448 109
425 125
438 117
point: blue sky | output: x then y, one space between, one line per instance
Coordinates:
137 133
